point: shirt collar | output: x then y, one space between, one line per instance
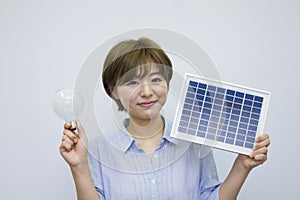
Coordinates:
125 141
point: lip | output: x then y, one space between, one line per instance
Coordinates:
147 104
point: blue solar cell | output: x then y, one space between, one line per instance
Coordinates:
219 96
194 120
212 130
223 133
217 107
204 116
259 99
249 96
184 118
233 123
199 97
239 143
238 100
221 90
244 119
237 106
245 114
193 83
186 112
253 122
183 124
256 110
236 112
191 89
211 88
232 129
251 133
235 117
201 134
213 124
242 131
248 102
246 108
220 139
252 128
182 130
229 98
240 94
196 114
242 125
208 99
193 126
203 122
207 105
257 104
231 135
249 145
189 100
196 108
187 106
240 137
202 128
216 113
229 141
250 139
190 95
230 92
202 85
254 116
200 91
218 101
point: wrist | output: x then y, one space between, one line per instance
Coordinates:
239 164
80 168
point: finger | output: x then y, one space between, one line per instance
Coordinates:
263 150
68 140
264 143
70 134
66 146
67 125
80 128
260 157
262 137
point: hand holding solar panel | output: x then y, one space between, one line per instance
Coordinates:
219 114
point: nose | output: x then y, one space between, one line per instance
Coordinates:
146 90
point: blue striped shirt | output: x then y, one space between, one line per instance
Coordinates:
178 169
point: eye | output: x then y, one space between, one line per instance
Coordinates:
132 83
156 80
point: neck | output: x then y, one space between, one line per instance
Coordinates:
146 129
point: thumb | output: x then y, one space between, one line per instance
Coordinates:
80 129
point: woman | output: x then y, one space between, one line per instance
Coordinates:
136 76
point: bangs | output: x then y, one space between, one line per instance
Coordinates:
137 64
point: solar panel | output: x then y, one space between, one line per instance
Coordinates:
220 114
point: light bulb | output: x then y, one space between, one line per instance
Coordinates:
68 105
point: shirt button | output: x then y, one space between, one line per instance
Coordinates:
153 181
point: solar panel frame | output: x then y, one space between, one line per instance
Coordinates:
207 106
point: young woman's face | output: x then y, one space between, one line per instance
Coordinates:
143 97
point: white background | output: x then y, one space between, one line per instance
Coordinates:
43 44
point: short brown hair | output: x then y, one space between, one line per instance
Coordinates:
133 56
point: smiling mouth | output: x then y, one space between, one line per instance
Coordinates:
147 104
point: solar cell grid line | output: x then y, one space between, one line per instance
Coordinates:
220 114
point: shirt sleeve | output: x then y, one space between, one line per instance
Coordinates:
209 180
95 169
